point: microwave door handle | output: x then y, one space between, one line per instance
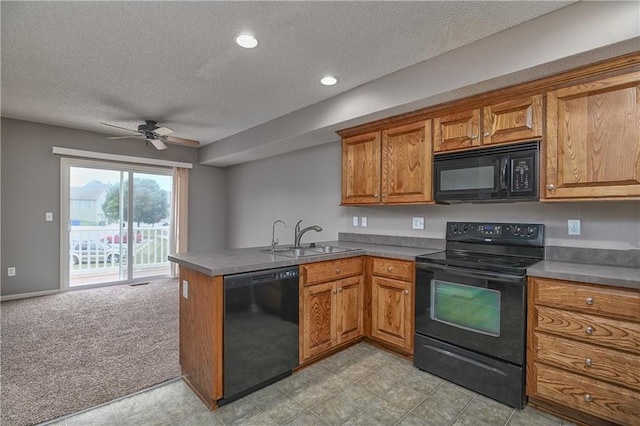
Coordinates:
504 161
470 273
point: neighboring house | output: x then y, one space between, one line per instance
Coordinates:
86 204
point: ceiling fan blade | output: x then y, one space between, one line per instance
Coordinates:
157 143
127 137
181 141
162 131
118 127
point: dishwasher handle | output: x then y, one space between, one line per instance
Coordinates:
246 279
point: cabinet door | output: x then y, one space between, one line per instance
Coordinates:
361 169
593 140
349 310
512 121
391 312
318 333
406 163
456 131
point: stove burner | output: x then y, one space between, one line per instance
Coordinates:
499 262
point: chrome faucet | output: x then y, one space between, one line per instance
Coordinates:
275 241
299 233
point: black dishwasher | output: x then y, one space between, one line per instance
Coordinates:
260 329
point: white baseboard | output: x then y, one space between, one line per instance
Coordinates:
25 295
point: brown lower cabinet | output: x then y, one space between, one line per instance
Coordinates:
392 316
583 351
331 297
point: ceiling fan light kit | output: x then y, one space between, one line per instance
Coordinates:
155 135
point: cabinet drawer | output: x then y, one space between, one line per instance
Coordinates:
595 361
399 269
588 395
313 273
586 298
589 328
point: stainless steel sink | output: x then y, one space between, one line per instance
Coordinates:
307 251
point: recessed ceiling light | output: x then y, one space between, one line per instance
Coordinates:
247 41
329 80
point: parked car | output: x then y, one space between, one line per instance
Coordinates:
93 252
115 238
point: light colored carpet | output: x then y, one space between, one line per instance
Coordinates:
66 352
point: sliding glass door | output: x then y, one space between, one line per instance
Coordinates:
116 223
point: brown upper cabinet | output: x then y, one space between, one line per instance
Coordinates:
393 166
593 140
505 122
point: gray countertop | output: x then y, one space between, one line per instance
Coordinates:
225 262
617 276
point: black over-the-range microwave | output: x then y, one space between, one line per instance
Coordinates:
505 173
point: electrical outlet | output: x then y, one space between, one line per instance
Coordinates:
11 271
573 226
185 289
363 221
355 221
418 223
48 216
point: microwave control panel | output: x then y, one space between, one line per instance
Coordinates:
522 178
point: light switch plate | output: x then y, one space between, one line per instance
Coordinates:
363 221
355 221
185 289
418 223
11 271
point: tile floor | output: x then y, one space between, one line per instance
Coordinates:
362 385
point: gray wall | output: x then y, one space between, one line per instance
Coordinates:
306 185
31 187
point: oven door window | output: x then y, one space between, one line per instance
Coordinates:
470 308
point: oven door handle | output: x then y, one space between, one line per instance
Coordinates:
471 273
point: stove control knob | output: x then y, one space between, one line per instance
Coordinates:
455 229
515 229
529 231
466 227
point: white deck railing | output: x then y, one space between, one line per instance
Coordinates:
98 249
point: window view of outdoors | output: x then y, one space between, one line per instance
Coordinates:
99 236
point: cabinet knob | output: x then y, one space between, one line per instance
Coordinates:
589 330
389 268
588 398
551 187
337 270
474 136
588 362
406 292
334 291
340 290
485 134
384 195
375 195
589 300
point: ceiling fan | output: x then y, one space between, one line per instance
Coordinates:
156 136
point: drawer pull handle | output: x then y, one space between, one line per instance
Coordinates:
589 330
589 300
337 270
588 362
390 268
588 398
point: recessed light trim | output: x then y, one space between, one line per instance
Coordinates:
246 40
328 80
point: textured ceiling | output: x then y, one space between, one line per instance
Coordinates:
76 64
